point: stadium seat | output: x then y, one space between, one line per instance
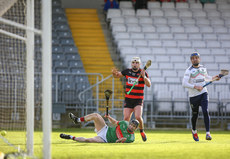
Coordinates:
213 14
180 65
162 29
198 44
137 36
134 28
117 20
168 5
75 64
196 6
177 29
158 51
196 36
224 36
140 43
169 43
131 20
113 13
218 51
144 51
177 58
220 29
145 20
202 21
165 66
149 29
159 21
169 73
126 4
180 36
181 6
121 36
199 13
209 36
174 21
142 13
173 80
128 12
118 28
185 14
156 13
123 43
170 13
149 36
153 5
58 56
184 43
213 44
188 21
166 36
154 43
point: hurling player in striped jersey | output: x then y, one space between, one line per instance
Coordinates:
123 132
134 100
194 79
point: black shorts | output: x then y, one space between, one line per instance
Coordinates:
132 103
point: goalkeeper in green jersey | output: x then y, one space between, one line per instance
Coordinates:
122 133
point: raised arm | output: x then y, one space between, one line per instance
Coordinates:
111 120
146 79
116 73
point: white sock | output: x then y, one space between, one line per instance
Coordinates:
194 131
71 136
207 133
78 120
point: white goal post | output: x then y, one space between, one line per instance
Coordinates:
29 38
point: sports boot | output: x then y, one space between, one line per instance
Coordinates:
195 136
144 138
65 136
208 137
73 118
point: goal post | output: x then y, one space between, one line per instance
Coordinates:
18 69
47 77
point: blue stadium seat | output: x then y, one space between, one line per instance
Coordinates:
57 49
73 56
70 49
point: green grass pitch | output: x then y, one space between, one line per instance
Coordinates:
160 144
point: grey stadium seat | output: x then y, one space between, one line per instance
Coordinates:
131 20
113 13
128 12
137 36
156 13
153 5
168 5
166 36
159 21
142 13
140 43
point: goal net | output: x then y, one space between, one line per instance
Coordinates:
20 74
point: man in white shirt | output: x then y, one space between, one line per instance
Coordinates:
194 79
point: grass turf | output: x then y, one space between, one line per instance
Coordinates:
160 144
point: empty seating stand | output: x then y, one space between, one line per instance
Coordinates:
66 60
169 32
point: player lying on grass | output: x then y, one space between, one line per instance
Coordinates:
123 132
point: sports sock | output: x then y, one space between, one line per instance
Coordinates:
81 119
194 131
71 137
207 133
141 130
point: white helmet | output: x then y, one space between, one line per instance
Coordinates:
136 59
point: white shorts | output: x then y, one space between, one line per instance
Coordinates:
102 133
